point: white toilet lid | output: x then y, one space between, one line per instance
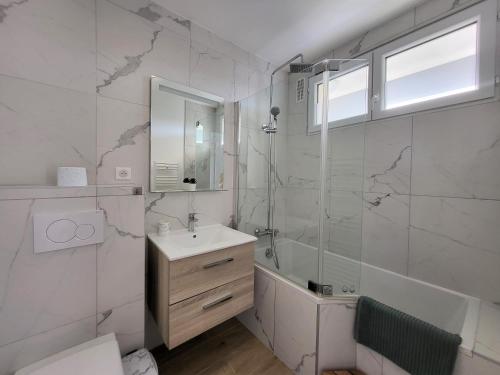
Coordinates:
95 357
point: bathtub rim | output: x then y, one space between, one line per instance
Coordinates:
471 320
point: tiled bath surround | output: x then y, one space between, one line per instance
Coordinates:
415 194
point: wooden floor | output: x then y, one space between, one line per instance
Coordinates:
229 349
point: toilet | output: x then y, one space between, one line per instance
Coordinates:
98 356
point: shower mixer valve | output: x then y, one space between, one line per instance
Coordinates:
265 232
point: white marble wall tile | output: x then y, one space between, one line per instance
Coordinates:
368 360
253 159
431 9
295 330
302 215
121 258
241 81
212 41
497 58
375 36
260 319
211 71
127 323
297 124
212 207
303 158
124 69
122 141
386 31
454 243
346 158
252 209
24 352
43 291
385 231
388 156
51 42
260 74
171 207
153 12
336 345
345 223
257 109
44 127
454 154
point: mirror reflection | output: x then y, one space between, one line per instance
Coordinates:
187 138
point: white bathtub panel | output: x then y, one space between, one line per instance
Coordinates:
295 336
368 361
260 319
390 368
336 345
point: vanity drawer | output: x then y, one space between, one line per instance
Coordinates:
192 276
195 315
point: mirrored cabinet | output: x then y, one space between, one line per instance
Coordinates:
187 138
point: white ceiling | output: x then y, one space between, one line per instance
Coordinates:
275 30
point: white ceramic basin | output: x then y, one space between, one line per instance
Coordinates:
181 243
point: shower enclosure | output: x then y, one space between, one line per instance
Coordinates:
300 173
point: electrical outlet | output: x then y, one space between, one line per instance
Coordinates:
123 173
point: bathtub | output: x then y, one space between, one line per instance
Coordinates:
444 308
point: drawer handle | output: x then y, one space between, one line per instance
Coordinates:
217 302
218 263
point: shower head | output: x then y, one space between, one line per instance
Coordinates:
275 111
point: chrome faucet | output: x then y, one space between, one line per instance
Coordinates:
191 221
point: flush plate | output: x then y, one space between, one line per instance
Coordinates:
56 231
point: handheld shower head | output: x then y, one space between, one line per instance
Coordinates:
275 111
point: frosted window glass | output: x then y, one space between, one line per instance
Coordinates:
347 97
444 66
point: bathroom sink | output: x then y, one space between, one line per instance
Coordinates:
181 243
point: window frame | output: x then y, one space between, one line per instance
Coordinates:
484 14
345 68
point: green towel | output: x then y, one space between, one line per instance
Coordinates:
414 345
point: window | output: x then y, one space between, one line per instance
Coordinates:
348 92
438 68
445 63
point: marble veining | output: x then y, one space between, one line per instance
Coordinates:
126 139
132 64
376 177
16 252
6 7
